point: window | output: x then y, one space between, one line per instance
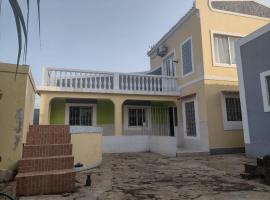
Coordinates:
168 66
268 87
231 108
265 85
80 116
187 60
190 118
137 117
224 49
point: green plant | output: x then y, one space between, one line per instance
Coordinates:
22 27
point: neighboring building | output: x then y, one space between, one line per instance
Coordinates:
254 76
189 97
17 99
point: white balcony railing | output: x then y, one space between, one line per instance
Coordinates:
91 81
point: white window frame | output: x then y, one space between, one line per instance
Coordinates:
137 128
67 109
181 56
265 92
229 125
212 33
193 99
169 54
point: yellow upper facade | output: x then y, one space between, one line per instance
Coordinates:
202 24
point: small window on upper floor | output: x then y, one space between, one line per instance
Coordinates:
187 57
224 50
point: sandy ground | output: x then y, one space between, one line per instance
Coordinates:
150 176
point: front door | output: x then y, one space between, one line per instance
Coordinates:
171 121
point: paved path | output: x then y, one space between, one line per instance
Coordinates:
150 176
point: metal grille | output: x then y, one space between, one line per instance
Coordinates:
154 121
160 121
80 116
190 119
233 108
187 57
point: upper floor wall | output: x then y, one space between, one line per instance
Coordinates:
222 23
213 27
186 31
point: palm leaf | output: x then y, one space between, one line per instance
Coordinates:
19 32
21 18
38 5
0 6
27 28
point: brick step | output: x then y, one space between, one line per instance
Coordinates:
47 134
30 151
45 163
38 183
43 129
48 138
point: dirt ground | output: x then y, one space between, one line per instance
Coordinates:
149 176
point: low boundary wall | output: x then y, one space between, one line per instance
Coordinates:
163 145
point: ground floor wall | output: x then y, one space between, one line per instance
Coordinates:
194 92
222 138
141 143
87 149
104 113
157 115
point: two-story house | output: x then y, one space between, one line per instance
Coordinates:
188 100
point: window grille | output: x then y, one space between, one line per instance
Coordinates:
80 116
190 119
137 117
233 108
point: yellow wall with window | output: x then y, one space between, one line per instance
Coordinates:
201 23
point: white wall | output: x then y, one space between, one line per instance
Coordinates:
163 145
125 144
129 144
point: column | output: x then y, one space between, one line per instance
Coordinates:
118 118
44 112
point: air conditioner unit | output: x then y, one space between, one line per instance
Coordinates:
162 50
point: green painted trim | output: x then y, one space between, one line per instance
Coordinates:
163 104
57 116
105 112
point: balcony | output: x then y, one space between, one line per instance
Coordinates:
57 79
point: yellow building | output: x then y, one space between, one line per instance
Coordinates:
188 100
16 112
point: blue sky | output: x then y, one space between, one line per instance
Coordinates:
111 35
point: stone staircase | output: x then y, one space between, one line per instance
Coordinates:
46 166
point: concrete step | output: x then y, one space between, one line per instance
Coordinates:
187 153
31 151
39 183
38 164
39 135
